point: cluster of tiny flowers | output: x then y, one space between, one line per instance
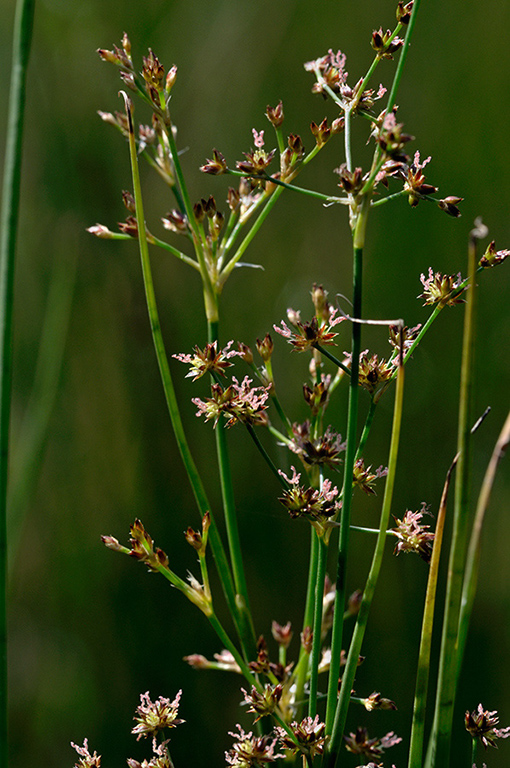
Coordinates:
360 744
239 402
208 360
309 737
373 373
308 335
249 750
264 703
445 290
364 478
152 717
316 505
481 724
413 537
323 450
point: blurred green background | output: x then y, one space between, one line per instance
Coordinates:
91 630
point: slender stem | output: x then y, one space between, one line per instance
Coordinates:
168 387
266 456
22 37
347 139
333 747
422 674
317 625
345 518
249 237
366 429
473 556
286 185
439 745
320 348
301 670
248 638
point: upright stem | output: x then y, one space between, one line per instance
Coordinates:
9 226
248 638
439 746
352 422
168 387
317 626
332 750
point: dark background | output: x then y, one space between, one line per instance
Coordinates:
90 630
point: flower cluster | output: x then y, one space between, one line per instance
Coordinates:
265 703
413 537
373 373
208 360
360 744
481 724
323 450
238 402
363 478
316 505
445 290
308 335
249 750
142 547
310 737
86 759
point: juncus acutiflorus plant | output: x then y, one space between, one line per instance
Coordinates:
289 715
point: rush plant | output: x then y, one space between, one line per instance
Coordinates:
326 466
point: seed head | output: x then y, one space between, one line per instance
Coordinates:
265 703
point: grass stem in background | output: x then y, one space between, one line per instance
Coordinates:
22 39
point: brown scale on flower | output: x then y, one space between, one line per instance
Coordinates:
492 257
224 661
310 735
291 157
117 119
265 703
208 360
121 57
449 205
142 548
249 750
275 115
324 131
323 450
264 666
376 701
152 717
177 222
216 166
257 160
445 290
404 11
282 633
374 373
307 335
330 71
413 537
364 478
481 724
350 181
384 45
239 403
317 397
415 181
359 743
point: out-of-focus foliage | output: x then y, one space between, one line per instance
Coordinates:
90 631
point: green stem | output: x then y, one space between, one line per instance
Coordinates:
345 518
22 37
320 348
248 638
302 666
333 747
422 674
272 466
317 625
249 237
473 556
439 745
168 387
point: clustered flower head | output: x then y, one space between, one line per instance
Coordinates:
264 703
310 735
152 717
224 661
492 257
415 181
208 360
413 537
251 751
376 701
445 290
481 724
360 744
240 402
316 505
308 335
323 450
142 547
373 373
364 479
